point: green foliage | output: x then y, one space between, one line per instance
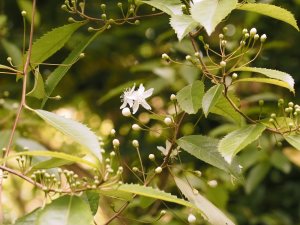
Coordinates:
206 149
27 6
13 51
209 211
294 140
235 141
38 90
73 129
171 7
190 97
182 24
66 210
272 11
211 98
209 13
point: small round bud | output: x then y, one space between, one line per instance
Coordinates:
253 31
113 132
195 191
197 54
71 20
63 7
221 36
224 42
168 121
206 46
188 58
245 31
223 64
131 10
135 143
107 160
291 125
183 7
158 170
137 22
120 5
9 59
246 35
90 29
23 13
116 143
136 127
165 57
291 104
198 173
151 157
242 43
263 38
273 115
234 76
103 6
173 97
82 55
163 212
225 29
191 218
261 102
103 16
135 169
256 37
271 120
112 154
126 112
212 183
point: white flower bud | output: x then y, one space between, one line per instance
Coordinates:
253 31
263 38
168 121
116 143
135 169
152 157
112 154
245 31
256 37
212 183
163 212
165 57
135 127
126 112
221 36
158 170
191 218
135 143
234 76
23 13
173 97
222 63
113 132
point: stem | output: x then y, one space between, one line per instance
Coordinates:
22 103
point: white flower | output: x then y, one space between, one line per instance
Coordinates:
135 98
165 150
191 218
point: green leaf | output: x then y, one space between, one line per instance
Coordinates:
293 140
28 219
183 24
211 98
271 11
281 162
223 108
66 210
266 81
206 149
171 7
73 129
55 77
275 74
235 141
93 200
58 155
209 211
38 90
51 163
256 176
13 51
51 42
209 13
27 6
153 193
190 97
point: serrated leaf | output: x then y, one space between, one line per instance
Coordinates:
209 13
266 81
206 149
211 98
55 77
153 193
275 74
190 97
66 210
13 51
293 140
182 25
171 7
235 141
256 176
223 108
209 211
51 42
73 129
271 11
38 90
58 155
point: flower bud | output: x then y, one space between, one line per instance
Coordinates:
135 169
116 143
113 132
173 97
152 157
158 170
120 4
212 183
246 35
273 115
245 31
234 76
136 127
223 64
163 212
165 57
221 36
263 38
256 37
261 102
126 112
23 13
135 143
191 218
168 121
253 31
